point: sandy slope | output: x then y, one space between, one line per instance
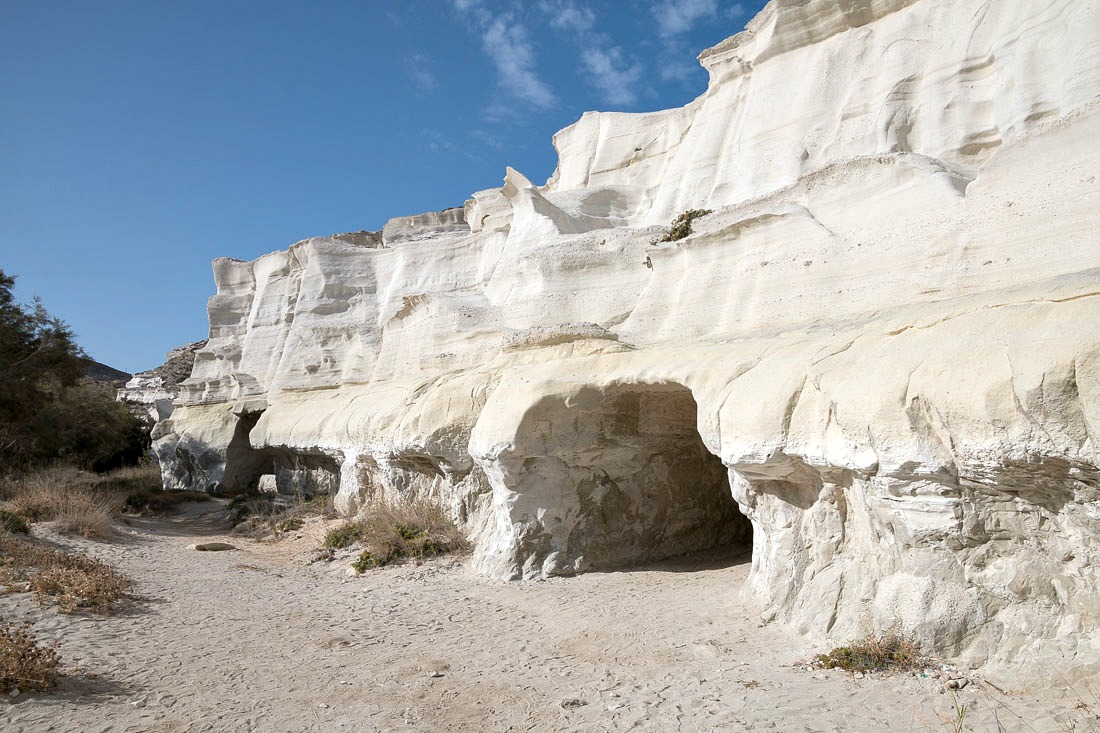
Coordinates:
253 641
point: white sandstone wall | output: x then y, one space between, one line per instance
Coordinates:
888 331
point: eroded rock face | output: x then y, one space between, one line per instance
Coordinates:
153 391
886 336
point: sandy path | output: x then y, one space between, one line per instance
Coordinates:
249 641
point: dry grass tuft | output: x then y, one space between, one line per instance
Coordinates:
409 529
73 581
889 651
260 515
81 502
24 664
39 496
88 514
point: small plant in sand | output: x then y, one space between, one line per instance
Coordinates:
889 651
11 522
681 225
415 529
343 536
24 663
73 581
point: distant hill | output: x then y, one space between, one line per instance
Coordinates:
103 374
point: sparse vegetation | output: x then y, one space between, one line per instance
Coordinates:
160 501
343 536
80 502
261 514
73 581
393 531
681 225
11 522
25 665
890 651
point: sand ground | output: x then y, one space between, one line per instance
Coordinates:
258 640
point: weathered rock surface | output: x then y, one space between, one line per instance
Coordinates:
883 344
152 392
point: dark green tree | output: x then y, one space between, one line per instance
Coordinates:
48 411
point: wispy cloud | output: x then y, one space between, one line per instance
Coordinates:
568 15
505 41
436 142
603 64
507 44
422 79
487 140
613 76
676 17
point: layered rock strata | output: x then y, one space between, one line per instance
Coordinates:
876 362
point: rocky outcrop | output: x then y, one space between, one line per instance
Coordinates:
151 393
876 362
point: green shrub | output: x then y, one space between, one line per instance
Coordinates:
11 522
343 536
408 529
368 561
681 225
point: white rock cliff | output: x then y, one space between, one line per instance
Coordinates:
883 344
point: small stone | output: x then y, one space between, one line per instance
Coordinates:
435 673
323 705
858 675
572 703
963 682
138 703
213 547
14 692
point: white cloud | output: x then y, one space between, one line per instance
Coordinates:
675 17
505 41
611 74
436 142
487 140
422 79
568 15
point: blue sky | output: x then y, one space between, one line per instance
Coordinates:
140 140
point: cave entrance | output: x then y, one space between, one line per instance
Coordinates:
653 490
294 473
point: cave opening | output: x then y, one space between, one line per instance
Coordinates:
652 490
294 472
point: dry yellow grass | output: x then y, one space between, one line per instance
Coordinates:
24 664
408 529
887 651
80 502
73 581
